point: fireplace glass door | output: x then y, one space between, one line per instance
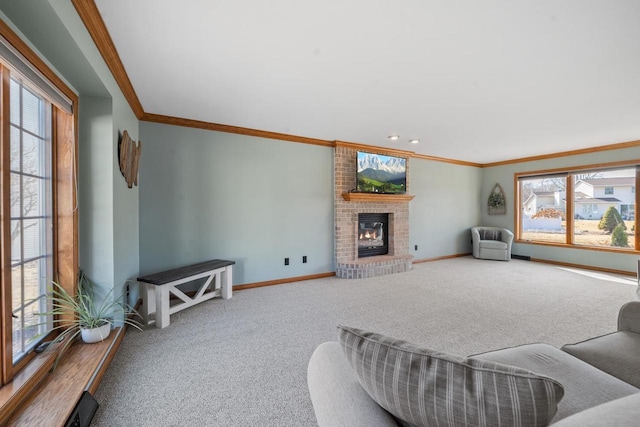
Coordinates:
373 231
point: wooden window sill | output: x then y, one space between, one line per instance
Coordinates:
38 396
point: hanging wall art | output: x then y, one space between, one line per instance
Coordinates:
129 156
497 202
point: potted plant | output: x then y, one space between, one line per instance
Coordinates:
86 314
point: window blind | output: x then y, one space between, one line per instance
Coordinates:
20 64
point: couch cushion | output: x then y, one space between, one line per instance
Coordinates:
623 412
490 234
617 354
584 385
337 396
426 387
492 244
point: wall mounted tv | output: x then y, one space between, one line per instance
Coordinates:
377 173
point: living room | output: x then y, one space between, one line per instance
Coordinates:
213 189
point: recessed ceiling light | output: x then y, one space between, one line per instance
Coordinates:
414 141
394 137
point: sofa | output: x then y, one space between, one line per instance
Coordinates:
367 379
491 243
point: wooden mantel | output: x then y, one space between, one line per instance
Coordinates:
373 197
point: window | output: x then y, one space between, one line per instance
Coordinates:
31 215
583 208
543 210
38 216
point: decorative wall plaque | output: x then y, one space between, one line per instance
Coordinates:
129 153
497 202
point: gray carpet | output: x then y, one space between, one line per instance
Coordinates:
242 362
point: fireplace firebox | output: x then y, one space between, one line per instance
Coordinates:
373 231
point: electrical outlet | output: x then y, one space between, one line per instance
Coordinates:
416 247
304 259
286 261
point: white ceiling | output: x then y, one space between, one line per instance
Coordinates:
475 81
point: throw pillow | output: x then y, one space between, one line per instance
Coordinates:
423 387
488 234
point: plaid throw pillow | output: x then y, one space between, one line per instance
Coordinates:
487 234
422 387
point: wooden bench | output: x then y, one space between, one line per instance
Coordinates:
157 289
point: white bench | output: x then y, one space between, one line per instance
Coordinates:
157 289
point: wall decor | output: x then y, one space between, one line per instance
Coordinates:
129 156
497 202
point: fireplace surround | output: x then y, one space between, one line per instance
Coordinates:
347 207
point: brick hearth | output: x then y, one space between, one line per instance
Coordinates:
348 265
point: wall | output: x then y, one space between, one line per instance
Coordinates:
504 176
96 188
207 195
446 205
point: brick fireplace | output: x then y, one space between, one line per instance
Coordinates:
347 207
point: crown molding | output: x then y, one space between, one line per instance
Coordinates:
90 15
617 146
178 121
374 149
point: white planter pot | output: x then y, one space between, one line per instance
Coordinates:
96 334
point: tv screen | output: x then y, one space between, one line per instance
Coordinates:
377 173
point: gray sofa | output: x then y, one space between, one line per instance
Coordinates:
491 243
601 389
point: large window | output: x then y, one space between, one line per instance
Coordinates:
31 215
38 209
591 207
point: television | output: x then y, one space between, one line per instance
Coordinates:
377 173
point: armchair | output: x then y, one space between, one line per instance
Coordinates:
491 243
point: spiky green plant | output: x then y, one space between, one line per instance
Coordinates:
89 311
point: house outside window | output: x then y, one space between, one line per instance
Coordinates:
608 190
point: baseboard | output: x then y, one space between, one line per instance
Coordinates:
418 261
522 257
281 281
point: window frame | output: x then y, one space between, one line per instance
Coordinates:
18 381
569 171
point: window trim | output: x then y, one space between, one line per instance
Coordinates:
30 370
569 206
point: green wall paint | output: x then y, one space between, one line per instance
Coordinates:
445 207
95 189
206 195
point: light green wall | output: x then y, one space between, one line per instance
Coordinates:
207 195
95 189
445 207
504 176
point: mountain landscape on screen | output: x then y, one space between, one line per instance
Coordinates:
381 174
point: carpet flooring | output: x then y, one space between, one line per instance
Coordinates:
243 361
